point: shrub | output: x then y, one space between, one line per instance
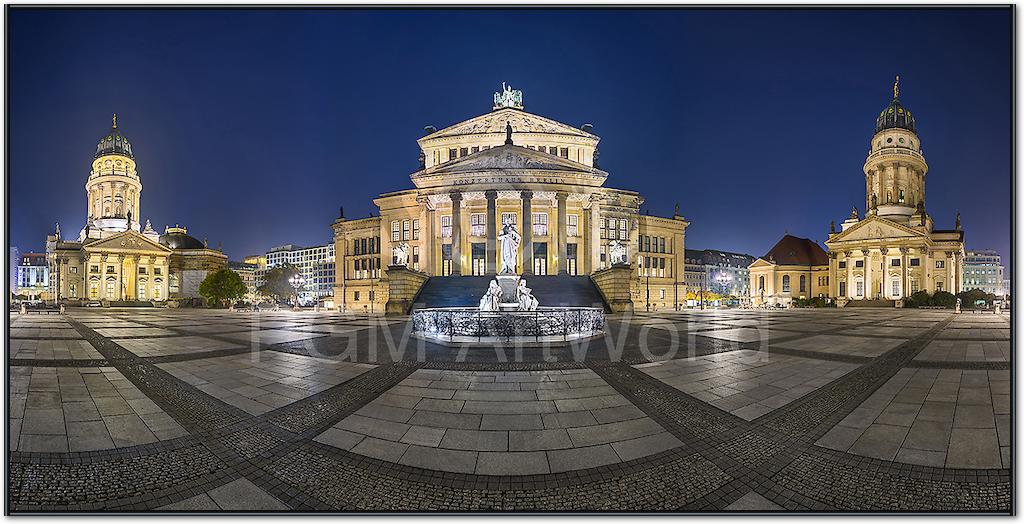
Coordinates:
918 299
944 299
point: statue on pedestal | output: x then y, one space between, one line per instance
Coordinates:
401 254
524 295
491 300
616 253
510 239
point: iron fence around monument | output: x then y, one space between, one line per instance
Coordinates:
565 322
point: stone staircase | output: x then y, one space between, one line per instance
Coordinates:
550 290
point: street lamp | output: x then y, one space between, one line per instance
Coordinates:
296 281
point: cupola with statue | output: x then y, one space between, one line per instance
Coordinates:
113 189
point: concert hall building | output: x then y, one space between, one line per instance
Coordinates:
509 166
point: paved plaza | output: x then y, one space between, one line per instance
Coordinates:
856 409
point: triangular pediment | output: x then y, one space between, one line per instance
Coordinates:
127 241
511 157
876 228
760 263
521 122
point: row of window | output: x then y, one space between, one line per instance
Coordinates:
478 224
651 244
111 269
405 230
654 267
459 152
366 246
914 262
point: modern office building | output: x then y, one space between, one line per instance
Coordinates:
983 269
719 272
33 276
315 264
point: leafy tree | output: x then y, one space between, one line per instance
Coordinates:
222 286
972 297
276 284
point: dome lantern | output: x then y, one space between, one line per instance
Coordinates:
114 143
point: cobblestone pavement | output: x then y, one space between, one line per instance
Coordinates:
807 410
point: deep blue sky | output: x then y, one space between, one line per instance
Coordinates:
252 127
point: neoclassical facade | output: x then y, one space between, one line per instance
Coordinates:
509 166
114 258
894 250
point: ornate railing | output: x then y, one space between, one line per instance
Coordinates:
452 323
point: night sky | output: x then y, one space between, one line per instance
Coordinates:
252 127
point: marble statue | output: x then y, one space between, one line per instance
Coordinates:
616 252
492 298
401 254
525 298
510 239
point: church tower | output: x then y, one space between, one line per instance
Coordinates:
113 188
895 168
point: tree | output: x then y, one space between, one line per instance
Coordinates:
972 297
918 299
222 286
276 284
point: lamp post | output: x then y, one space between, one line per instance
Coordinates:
296 281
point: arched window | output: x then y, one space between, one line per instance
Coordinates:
760 283
803 283
785 283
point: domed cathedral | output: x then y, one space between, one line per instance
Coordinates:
507 173
894 250
115 259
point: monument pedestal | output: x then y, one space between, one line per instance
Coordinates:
403 285
508 284
614 285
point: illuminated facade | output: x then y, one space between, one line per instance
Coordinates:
114 258
894 250
512 167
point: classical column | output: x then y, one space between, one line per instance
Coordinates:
849 274
904 261
456 233
595 234
560 198
951 271
492 231
867 273
527 197
428 249
886 290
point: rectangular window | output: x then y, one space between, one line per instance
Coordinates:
355 295
842 289
563 152
453 154
477 225
508 218
362 245
542 149
463 151
110 269
157 271
573 225
540 224
896 286
94 269
479 256
416 229
842 264
142 271
416 257
647 244
74 269
940 264
406 230
396 231
446 259
446 226
938 285
540 258
475 149
570 255
623 229
913 286
661 245
858 263
860 288
896 262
